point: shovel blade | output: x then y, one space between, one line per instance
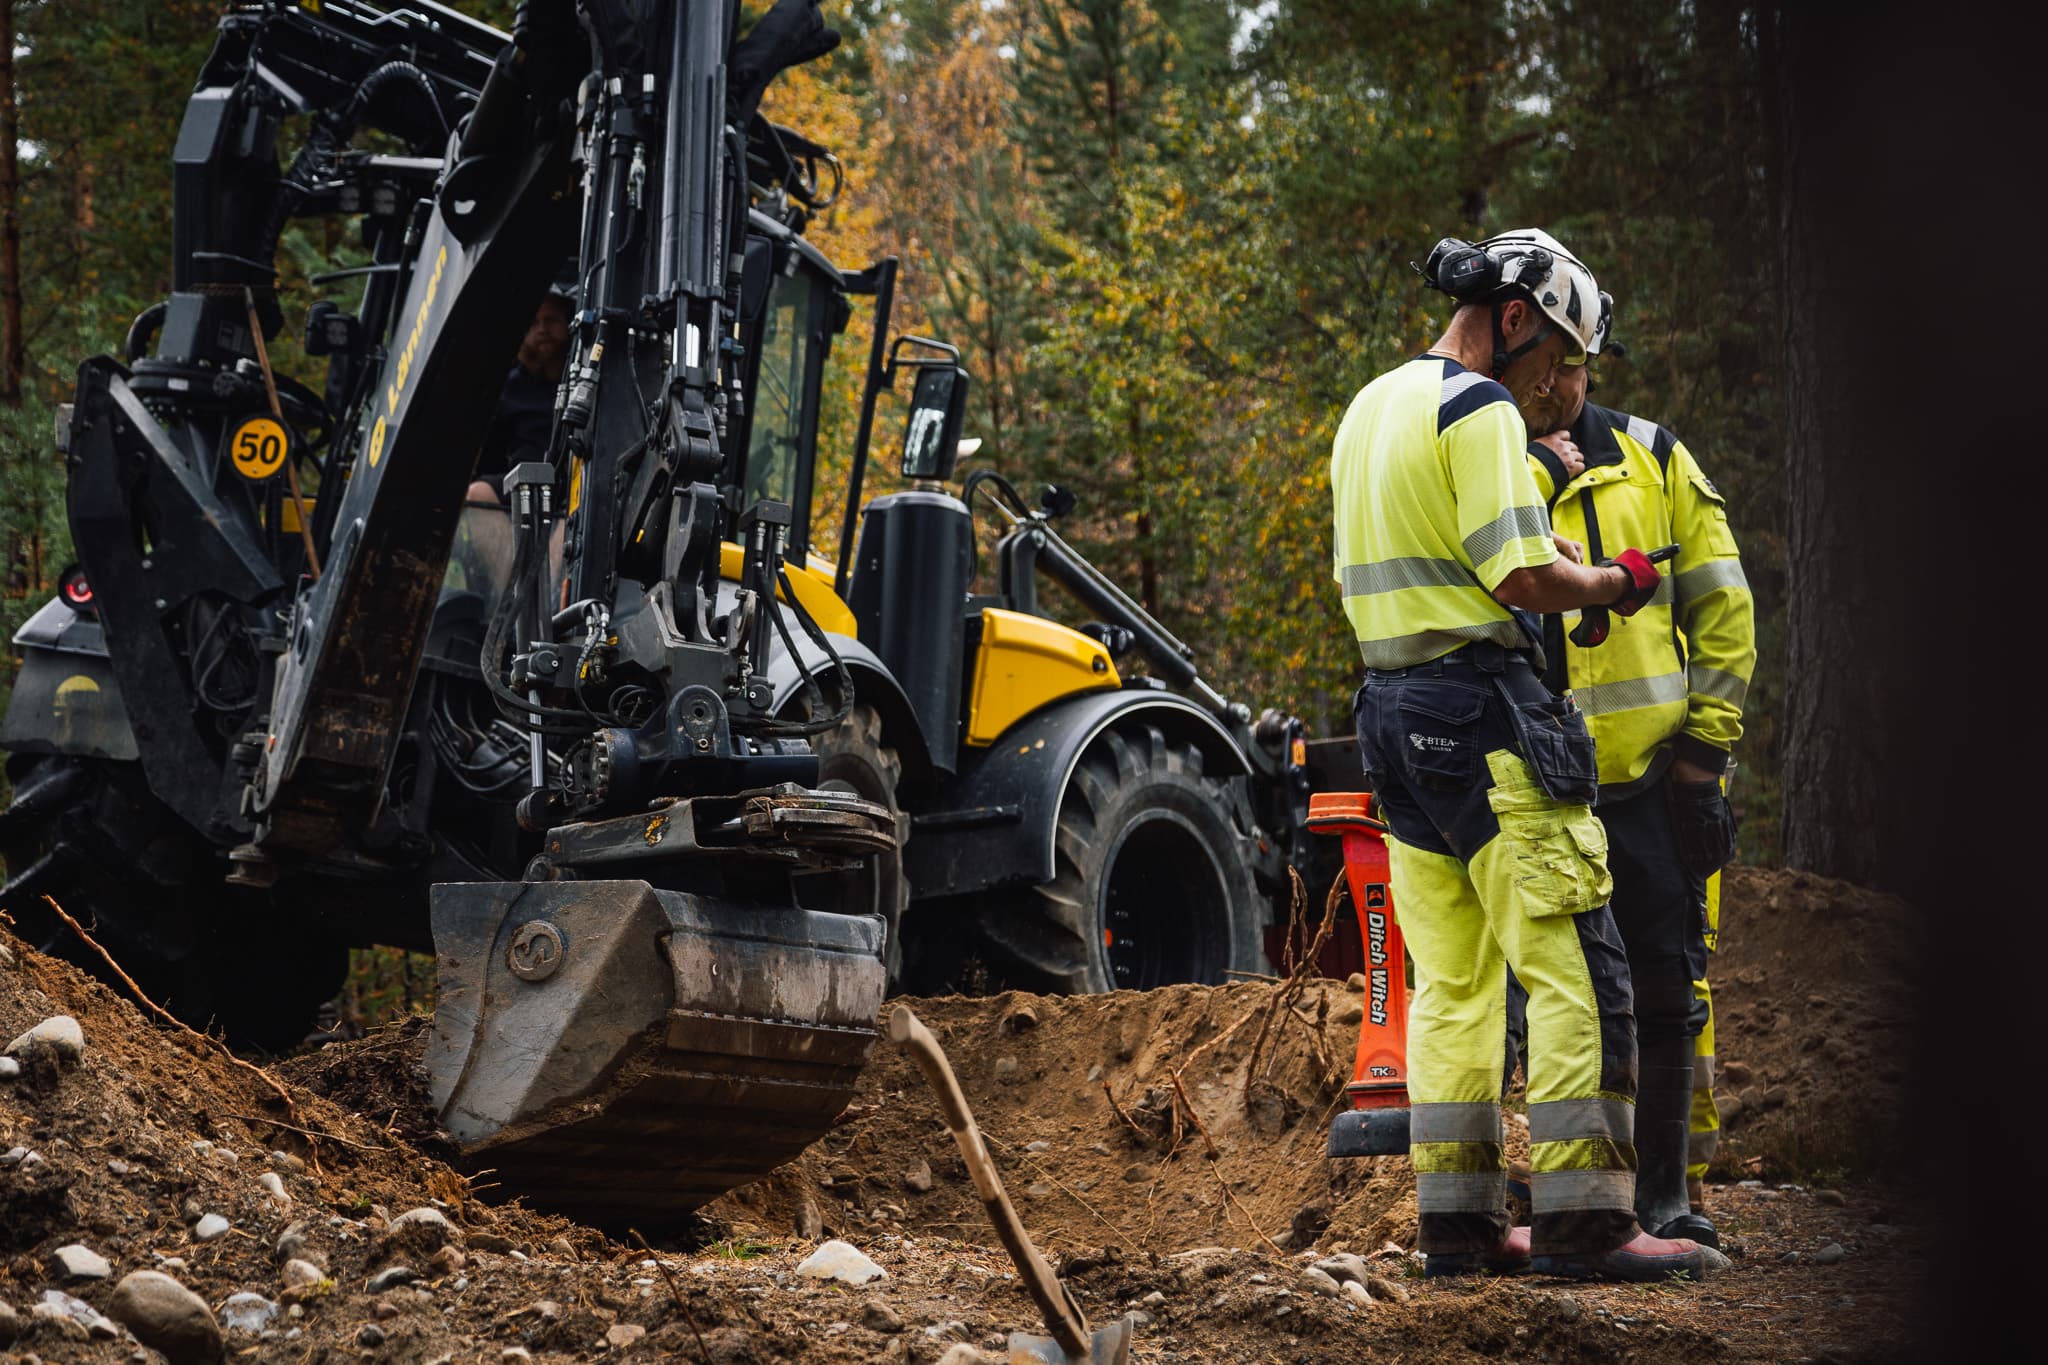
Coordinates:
1109 1345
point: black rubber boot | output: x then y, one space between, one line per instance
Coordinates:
1663 1139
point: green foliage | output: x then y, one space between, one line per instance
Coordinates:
1185 251
386 984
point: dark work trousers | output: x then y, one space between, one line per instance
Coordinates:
1489 869
1661 910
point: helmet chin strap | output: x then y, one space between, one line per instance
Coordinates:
1502 356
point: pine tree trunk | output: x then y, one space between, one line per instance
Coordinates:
1841 817
10 218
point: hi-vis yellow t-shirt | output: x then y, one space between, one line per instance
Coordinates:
1435 505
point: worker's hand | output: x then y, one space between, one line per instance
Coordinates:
1685 770
1642 581
1560 444
1569 548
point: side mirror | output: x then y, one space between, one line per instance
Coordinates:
938 410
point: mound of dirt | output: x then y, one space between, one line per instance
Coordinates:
1165 1148
1814 1021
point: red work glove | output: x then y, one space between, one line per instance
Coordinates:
1643 580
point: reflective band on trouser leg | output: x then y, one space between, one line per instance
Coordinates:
1460 1166
1582 1063
1582 1157
1455 1044
1706 1115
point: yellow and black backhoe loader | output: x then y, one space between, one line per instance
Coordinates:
670 795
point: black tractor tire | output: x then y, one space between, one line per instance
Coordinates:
1152 881
853 758
87 833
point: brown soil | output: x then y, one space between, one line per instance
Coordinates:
1130 1208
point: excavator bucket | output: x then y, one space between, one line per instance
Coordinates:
623 1054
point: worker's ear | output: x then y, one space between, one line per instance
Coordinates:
1514 318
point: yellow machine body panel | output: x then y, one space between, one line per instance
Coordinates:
1025 662
813 584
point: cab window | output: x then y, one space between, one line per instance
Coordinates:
783 394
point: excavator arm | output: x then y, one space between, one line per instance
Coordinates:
655 990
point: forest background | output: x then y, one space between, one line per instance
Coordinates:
1172 238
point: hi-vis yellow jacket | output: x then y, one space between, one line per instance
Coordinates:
1670 680
1434 506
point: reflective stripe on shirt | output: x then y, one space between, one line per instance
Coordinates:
1630 694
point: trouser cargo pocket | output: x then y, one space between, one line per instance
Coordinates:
1558 860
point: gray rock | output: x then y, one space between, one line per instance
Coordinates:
1357 1293
1714 1260
918 1179
1321 1282
621 1335
1095 1072
1568 1308
202 1148
76 1262
210 1228
1791 1258
11 1325
1155 1299
1834 1198
837 1260
1038 1189
56 1305
247 1312
1777 1097
810 1224
371 1335
9 1068
116 1166
60 1033
273 1185
298 1272
1040 1146
1829 1254
391 1277
1343 1266
1348 1013
1355 983
424 1217
880 1317
17 1156
518 1354
1006 1067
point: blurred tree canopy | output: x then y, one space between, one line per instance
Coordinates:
1171 237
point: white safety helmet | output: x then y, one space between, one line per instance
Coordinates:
1603 330
1530 263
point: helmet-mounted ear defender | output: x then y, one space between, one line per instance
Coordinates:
1472 274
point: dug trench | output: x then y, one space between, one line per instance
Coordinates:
1157 1178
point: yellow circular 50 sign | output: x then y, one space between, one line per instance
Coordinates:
258 447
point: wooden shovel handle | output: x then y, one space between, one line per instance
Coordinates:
1062 1316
